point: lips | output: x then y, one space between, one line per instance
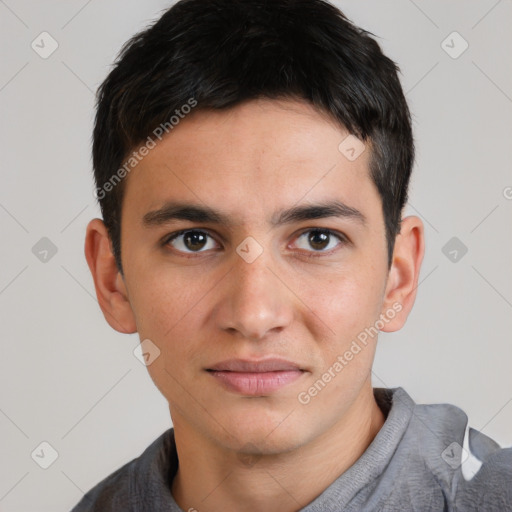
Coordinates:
255 378
266 365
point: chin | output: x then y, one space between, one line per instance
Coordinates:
266 434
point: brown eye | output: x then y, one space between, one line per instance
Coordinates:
320 240
190 241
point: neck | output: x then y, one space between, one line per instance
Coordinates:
210 479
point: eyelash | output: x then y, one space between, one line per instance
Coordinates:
312 254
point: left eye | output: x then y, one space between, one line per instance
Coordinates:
320 239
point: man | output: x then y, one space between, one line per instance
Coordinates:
252 160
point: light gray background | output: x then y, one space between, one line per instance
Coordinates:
67 378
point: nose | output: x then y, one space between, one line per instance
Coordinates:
254 299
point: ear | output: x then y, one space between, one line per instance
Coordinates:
108 281
404 273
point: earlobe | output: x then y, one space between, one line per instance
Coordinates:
403 275
108 282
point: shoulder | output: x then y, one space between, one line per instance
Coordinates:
473 470
111 493
487 483
131 484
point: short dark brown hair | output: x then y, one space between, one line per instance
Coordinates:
220 53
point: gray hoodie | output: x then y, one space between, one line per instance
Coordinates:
424 458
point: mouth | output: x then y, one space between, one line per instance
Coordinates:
255 378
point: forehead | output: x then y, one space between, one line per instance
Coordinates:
252 158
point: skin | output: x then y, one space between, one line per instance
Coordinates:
268 452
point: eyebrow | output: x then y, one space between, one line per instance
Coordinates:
174 210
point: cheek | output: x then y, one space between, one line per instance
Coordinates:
167 313
346 303
164 304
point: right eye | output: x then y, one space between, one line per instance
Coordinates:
189 241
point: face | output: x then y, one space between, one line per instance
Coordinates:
249 301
